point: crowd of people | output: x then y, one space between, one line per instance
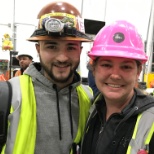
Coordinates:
53 112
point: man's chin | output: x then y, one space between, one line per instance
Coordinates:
63 78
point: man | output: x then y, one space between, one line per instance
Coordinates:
50 105
25 59
122 121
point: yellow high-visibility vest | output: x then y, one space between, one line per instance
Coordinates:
143 132
26 132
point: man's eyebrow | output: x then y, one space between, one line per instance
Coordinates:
55 43
50 43
73 44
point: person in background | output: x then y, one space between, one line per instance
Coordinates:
91 79
122 118
142 86
50 106
25 59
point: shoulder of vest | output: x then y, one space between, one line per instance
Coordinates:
145 102
5 106
150 110
88 91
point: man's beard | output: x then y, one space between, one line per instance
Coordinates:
53 77
24 67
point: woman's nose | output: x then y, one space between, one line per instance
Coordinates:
115 76
115 73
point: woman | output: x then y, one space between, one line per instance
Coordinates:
122 121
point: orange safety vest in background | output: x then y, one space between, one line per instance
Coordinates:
2 78
18 73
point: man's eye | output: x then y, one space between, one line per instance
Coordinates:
71 48
51 47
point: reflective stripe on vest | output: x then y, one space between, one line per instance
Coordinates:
84 106
27 121
85 99
143 132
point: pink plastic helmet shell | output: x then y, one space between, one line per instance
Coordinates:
119 39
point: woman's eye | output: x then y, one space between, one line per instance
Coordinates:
126 67
106 65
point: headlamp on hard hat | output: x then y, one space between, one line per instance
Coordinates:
52 25
55 27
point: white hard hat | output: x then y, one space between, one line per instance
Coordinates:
23 53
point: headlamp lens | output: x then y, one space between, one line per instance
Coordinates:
53 25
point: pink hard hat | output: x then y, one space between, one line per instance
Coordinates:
119 39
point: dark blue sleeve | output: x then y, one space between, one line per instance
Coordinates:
91 83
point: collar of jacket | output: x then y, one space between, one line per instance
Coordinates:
138 103
101 105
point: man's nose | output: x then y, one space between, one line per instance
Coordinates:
62 56
21 60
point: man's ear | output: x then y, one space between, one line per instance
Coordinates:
81 49
37 46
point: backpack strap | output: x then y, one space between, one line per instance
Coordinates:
5 105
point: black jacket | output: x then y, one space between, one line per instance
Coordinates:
113 136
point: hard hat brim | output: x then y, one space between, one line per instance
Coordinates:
48 38
17 56
117 53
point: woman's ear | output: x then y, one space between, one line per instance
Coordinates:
139 69
93 70
138 72
81 49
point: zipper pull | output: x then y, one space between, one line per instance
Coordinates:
142 151
101 130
